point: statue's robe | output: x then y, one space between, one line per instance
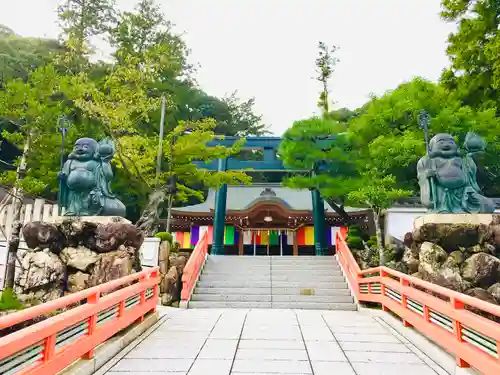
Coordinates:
89 192
454 187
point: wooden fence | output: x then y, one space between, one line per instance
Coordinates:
40 210
51 345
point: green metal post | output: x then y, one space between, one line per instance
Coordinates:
220 215
319 223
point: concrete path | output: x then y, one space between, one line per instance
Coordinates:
223 342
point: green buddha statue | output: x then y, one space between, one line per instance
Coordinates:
86 178
447 179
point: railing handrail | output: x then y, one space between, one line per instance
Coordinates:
36 311
51 345
474 339
193 267
445 292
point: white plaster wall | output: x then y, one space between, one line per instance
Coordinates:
399 221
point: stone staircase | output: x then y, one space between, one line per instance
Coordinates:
281 282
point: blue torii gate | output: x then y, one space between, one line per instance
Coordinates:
270 164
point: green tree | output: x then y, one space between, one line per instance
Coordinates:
390 124
82 20
378 192
20 55
327 165
343 175
474 74
325 67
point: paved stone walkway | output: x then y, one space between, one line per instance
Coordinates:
223 342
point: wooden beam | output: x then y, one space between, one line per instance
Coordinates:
295 244
240 243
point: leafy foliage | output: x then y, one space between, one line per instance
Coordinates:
119 99
325 66
387 132
9 301
164 236
19 55
474 75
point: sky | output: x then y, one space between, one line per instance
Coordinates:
267 48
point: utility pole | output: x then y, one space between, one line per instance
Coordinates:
160 145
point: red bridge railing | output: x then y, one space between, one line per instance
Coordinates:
441 314
51 345
193 268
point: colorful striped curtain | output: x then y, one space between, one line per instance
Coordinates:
274 238
229 235
195 235
309 240
305 236
179 237
264 238
186 244
247 237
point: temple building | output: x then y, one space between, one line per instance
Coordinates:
265 219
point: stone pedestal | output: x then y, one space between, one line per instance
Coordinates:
455 219
457 251
91 219
66 255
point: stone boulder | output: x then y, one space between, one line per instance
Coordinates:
452 237
411 259
40 278
179 261
494 290
111 266
435 268
481 270
79 257
482 295
70 254
39 235
170 287
110 237
39 269
78 281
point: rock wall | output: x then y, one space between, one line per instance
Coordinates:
171 268
464 257
73 254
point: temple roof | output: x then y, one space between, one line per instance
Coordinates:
243 197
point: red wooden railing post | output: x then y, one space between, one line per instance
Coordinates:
49 347
382 289
404 300
92 323
156 288
427 314
142 296
457 328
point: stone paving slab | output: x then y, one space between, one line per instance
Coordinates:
259 341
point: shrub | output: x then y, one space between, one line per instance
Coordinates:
355 242
372 242
9 301
164 236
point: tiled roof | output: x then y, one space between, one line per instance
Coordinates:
242 197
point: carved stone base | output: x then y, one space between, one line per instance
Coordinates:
90 219
469 219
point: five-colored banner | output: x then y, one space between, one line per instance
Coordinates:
305 236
